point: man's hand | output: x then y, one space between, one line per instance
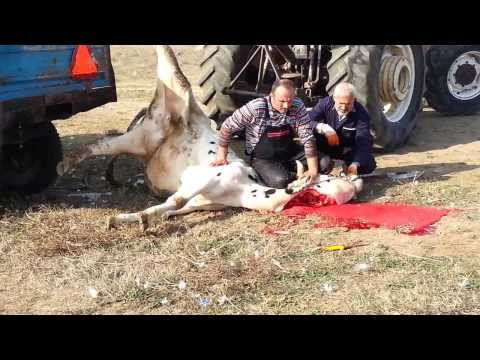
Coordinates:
330 134
332 138
352 170
311 175
312 171
221 159
219 162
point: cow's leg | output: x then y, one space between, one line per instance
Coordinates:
197 203
128 143
188 190
144 217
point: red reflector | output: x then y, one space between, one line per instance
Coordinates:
83 65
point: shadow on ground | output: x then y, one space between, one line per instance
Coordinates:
376 187
435 131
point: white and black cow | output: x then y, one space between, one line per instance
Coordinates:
176 144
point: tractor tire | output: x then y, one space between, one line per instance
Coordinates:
31 167
219 65
453 79
372 69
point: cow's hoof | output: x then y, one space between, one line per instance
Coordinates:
110 223
60 171
63 167
166 215
143 220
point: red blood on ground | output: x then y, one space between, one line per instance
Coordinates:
411 219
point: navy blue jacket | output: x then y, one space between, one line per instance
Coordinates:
324 111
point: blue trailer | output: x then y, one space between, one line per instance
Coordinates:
38 84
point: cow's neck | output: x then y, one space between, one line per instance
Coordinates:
197 144
207 145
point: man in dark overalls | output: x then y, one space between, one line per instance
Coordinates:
343 130
271 123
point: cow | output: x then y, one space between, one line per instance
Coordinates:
176 144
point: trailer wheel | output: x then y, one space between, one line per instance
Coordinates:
31 167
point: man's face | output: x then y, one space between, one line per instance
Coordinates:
343 103
282 99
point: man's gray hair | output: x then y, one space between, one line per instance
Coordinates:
344 89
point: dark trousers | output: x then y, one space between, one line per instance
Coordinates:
367 163
278 174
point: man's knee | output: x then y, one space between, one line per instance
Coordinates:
325 164
272 174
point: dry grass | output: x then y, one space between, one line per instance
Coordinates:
53 255
53 247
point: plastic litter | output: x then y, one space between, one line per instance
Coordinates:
335 248
204 301
90 196
329 287
139 182
465 283
92 292
402 176
361 267
222 299
164 301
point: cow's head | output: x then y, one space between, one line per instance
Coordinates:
342 189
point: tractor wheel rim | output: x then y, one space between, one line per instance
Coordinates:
396 81
463 77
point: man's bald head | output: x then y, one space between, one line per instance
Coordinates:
285 83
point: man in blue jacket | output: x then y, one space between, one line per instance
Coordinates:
343 130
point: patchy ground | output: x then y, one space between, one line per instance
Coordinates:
57 257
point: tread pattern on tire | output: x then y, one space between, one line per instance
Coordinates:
217 68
